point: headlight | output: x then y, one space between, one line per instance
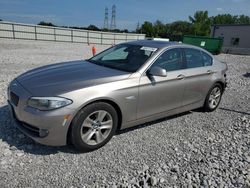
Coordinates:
48 103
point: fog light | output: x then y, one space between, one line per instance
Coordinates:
43 133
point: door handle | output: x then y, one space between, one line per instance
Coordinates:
180 77
209 72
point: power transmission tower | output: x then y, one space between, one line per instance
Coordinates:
106 19
138 27
113 19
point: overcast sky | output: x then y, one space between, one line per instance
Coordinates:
129 12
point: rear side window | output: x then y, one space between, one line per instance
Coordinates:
170 60
207 59
193 58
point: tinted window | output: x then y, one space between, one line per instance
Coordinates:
193 58
207 59
170 60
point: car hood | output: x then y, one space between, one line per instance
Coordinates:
60 78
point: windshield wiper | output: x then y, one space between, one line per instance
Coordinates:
97 63
108 66
92 61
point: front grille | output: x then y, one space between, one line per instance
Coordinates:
14 98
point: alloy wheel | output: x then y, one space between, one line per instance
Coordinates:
214 97
96 127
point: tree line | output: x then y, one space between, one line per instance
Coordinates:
198 24
90 27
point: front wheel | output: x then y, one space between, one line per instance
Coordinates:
213 98
94 126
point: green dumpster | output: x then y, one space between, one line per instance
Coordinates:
212 45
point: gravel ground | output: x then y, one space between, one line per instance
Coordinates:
194 149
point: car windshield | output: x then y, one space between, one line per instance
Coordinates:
124 57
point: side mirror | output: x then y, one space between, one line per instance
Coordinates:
157 71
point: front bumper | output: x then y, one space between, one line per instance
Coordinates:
24 127
45 127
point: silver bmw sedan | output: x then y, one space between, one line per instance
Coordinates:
87 101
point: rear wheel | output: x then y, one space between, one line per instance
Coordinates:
94 126
213 98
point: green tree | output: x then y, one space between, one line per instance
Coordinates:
46 23
223 19
105 29
201 23
181 28
160 29
242 19
93 28
124 31
148 29
230 19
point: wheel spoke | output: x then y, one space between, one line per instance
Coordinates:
217 96
215 103
210 101
100 116
217 93
88 122
99 137
217 90
106 125
213 92
88 135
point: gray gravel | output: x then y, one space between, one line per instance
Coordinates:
194 149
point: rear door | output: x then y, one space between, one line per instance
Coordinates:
159 94
198 75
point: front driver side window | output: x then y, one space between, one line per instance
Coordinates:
170 60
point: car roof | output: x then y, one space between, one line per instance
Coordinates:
154 43
164 44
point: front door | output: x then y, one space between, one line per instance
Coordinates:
159 94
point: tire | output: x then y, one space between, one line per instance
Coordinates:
213 99
94 126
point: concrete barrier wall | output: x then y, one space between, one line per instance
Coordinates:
36 32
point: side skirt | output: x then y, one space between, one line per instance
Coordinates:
162 115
